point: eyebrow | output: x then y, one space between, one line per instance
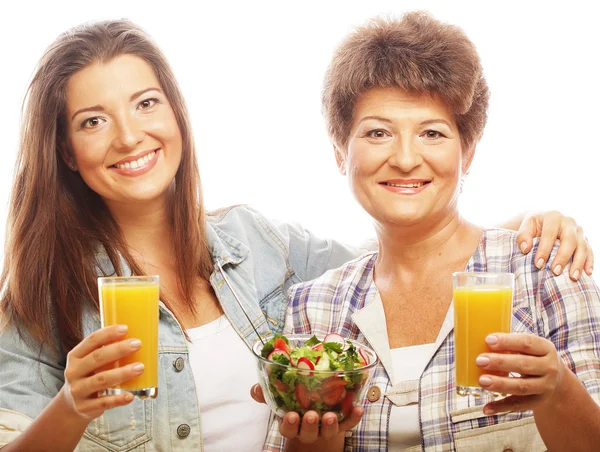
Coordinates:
101 108
423 123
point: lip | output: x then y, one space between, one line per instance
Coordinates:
132 158
405 190
136 171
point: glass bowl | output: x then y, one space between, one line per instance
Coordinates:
299 387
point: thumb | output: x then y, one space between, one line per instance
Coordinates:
257 394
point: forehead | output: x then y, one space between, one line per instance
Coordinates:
395 102
101 83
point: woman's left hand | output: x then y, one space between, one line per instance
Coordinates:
534 358
550 226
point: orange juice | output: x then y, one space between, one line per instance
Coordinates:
135 304
479 310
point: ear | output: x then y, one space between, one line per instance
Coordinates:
340 158
468 159
66 155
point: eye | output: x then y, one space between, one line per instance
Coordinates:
146 104
377 133
91 123
433 134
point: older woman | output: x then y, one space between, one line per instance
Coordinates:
406 101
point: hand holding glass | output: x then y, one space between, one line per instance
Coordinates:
133 301
482 306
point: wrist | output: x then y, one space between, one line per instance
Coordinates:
562 393
68 412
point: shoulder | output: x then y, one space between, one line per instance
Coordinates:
346 284
242 223
501 252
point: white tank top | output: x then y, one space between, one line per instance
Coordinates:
224 371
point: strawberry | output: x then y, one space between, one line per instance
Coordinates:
302 395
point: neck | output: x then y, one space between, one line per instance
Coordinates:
419 248
145 227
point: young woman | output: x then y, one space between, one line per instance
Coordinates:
406 103
107 183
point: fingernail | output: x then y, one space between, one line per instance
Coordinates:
485 381
540 263
122 329
557 270
523 247
292 421
137 367
329 421
135 343
482 361
591 271
489 411
491 340
128 396
576 274
311 419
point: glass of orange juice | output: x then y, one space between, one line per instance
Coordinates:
133 301
482 306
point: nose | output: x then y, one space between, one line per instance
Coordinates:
129 133
405 154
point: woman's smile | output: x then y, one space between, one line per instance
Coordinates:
136 165
405 186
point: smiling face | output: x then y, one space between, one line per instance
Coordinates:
404 158
123 134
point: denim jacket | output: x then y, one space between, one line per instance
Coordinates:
261 259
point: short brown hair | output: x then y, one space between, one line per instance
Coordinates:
417 53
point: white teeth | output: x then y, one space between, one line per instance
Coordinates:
406 185
137 163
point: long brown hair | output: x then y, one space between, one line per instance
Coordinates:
56 223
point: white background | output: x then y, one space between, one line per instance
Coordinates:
251 72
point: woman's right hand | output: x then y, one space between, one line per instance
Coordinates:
86 374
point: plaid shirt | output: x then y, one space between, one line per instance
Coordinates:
565 312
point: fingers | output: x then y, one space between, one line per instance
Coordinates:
289 425
527 231
93 407
516 386
572 244
352 421
511 403
589 263
329 426
527 344
101 357
257 394
580 256
99 382
551 229
506 363
309 430
97 339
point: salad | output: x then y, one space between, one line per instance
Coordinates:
317 375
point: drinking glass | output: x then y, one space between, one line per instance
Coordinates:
133 301
482 306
